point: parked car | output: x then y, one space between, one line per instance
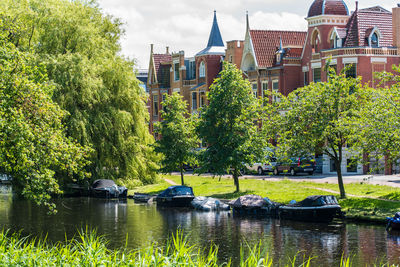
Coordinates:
296 165
261 168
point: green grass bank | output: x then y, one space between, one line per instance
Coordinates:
373 202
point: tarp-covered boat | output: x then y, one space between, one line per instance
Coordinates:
105 188
393 222
313 208
176 196
209 204
253 205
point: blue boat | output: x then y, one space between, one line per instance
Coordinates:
176 196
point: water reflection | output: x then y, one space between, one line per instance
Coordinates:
140 224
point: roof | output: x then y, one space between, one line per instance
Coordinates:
328 7
294 52
363 21
160 58
215 44
266 43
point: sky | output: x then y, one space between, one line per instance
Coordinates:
186 24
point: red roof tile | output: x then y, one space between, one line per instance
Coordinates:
328 7
160 58
294 52
362 22
266 43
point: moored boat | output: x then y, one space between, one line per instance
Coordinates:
176 196
393 223
313 209
253 205
105 188
209 204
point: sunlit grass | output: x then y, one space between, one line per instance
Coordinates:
286 190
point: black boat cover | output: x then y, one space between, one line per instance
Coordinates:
316 201
103 183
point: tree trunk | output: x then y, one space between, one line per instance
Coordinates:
236 180
182 181
339 174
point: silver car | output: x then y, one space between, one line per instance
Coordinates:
262 168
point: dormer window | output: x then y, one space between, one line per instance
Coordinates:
374 37
278 58
374 40
202 70
336 41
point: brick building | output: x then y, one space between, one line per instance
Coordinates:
190 76
368 39
285 60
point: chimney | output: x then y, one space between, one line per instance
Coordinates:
356 5
396 27
167 50
151 48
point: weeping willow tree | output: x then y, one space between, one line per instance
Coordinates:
79 47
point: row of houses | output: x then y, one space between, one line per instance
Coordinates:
368 39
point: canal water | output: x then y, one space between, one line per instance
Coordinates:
137 225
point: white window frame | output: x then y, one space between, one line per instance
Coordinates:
202 70
264 87
194 101
275 90
254 87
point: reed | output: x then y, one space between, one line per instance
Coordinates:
90 249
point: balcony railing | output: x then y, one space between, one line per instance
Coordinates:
369 51
189 82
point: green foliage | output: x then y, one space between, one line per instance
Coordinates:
380 126
229 125
178 138
321 117
79 47
89 249
33 147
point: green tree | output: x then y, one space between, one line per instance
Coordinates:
321 117
178 138
79 46
229 125
33 147
380 125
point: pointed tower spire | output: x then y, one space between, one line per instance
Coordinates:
247 21
215 38
215 43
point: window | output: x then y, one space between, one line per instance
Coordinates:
254 86
264 86
315 42
202 70
351 165
176 71
374 40
155 106
352 71
332 164
202 99
275 90
194 100
317 75
230 59
163 100
336 41
306 81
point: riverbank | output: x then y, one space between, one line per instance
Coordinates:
89 249
365 202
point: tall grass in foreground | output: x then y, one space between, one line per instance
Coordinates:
89 249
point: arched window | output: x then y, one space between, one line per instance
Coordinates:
374 40
374 37
202 70
315 42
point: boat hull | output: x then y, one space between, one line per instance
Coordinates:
105 193
176 201
309 214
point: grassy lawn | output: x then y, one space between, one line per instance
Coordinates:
286 190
